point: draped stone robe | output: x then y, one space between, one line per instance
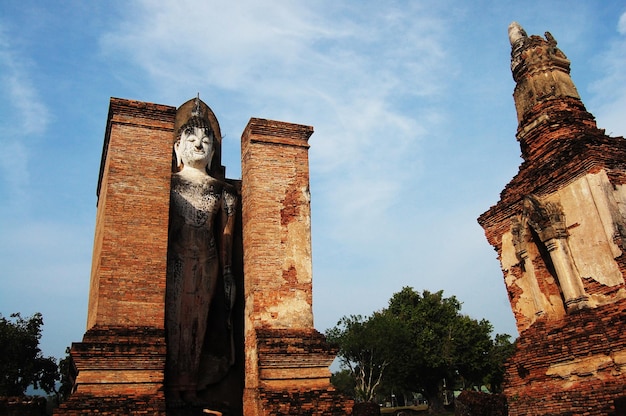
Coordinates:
193 272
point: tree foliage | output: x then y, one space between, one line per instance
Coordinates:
344 382
65 371
22 363
501 351
366 346
420 343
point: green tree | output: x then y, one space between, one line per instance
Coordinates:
420 343
366 347
501 351
430 350
21 361
344 382
66 380
472 346
444 346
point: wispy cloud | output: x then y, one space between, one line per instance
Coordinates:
621 25
230 46
609 99
350 72
25 117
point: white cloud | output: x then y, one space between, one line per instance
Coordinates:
621 25
200 43
609 101
363 78
25 118
31 114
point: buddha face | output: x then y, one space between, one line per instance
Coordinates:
195 147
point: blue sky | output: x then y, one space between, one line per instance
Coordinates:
412 107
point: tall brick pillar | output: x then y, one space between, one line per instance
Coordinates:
287 360
120 362
560 233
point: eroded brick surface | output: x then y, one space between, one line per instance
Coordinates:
575 366
287 360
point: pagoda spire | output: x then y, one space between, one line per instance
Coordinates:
544 90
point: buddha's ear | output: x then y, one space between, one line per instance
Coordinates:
208 166
177 151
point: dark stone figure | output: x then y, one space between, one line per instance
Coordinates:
202 217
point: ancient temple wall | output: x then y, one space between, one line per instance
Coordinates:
559 233
94 284
541 85
569 362
592 219
590 211
287 360
532 289
120 363
620 198
277 224
573 366
541 73
277 295
130 246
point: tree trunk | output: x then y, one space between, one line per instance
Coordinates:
435 401
366 409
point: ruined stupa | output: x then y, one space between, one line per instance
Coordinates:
560 233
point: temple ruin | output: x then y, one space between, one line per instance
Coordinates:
559 229
176 240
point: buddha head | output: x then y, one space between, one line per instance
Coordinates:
197 140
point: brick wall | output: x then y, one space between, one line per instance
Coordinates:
576 366
130 246
120 363
277 224
287 360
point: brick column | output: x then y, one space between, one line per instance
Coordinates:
287 360
122 355
277 224
130 246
